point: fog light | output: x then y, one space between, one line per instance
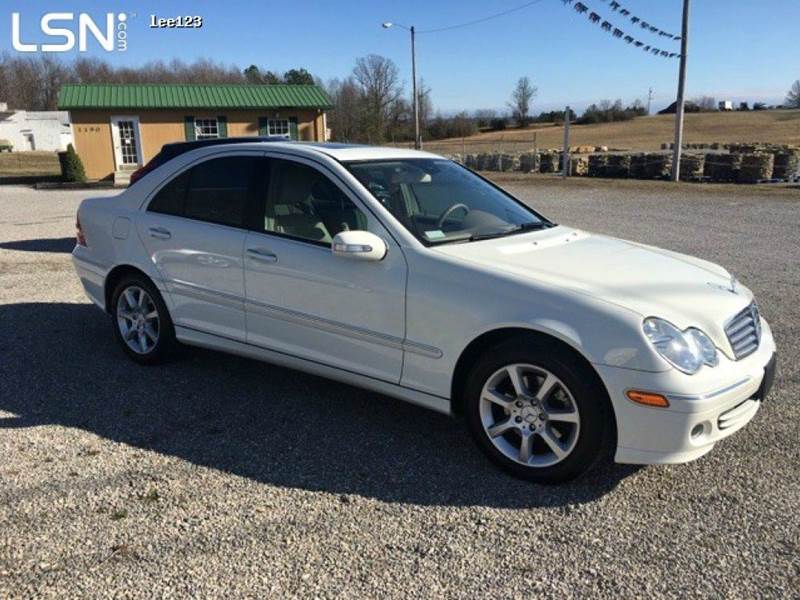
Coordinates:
698 430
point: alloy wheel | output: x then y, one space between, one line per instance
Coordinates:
138 320
529 415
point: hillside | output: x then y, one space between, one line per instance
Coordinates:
643 133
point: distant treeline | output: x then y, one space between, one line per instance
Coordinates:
32 83
371 104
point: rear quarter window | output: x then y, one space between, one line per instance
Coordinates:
170 198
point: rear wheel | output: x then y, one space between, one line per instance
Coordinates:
141 321
536 412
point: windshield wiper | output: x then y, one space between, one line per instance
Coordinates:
522 227
474 237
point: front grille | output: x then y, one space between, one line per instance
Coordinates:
744 332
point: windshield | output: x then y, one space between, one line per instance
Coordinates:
440 201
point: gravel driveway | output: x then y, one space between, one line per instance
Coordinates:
217 475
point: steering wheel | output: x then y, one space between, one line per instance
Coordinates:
448 211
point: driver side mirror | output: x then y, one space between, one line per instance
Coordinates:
360 245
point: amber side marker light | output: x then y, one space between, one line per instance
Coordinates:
647 398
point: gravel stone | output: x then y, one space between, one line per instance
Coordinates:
217 476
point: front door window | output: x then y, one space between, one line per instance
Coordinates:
127 141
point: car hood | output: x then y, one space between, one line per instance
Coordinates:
685 290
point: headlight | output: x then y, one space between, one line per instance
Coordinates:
707 347
686 350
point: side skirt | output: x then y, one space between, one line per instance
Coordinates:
215 342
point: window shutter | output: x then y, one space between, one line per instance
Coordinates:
188 126
262 126
293 128
222 126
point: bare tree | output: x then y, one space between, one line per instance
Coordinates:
92 70
32 83
484 116
378 80
345 119
521 99
400 124
793 95
425 105
705 103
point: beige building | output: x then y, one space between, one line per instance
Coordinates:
118 128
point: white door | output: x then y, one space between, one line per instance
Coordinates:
194 231
127 142
303 300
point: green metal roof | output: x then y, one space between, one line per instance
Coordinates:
161 96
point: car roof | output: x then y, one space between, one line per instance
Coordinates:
338 151
173 149
357 152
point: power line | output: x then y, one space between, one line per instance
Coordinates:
481 20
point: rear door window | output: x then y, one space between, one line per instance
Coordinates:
215 191
219 190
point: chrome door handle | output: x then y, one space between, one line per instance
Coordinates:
160 233
262 254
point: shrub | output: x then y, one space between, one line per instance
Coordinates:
71 166
606 112
459 125
497 124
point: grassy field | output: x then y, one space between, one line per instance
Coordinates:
643 133
29 164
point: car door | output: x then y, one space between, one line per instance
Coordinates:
194 231
307 302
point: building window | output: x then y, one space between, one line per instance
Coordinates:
278 127
206 129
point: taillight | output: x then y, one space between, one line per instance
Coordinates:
79 237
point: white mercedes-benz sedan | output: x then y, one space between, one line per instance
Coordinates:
407 274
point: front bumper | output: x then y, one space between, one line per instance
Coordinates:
704 408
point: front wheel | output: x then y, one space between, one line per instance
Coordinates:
142 324
536 412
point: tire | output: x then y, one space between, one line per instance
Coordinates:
142 325
560 403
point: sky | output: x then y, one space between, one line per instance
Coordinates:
738 49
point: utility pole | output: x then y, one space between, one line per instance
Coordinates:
649 100
417 140
676 156
565 155
415 100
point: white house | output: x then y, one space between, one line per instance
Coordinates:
35 130
726 105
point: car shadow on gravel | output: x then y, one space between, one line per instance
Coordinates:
61 366
56 245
